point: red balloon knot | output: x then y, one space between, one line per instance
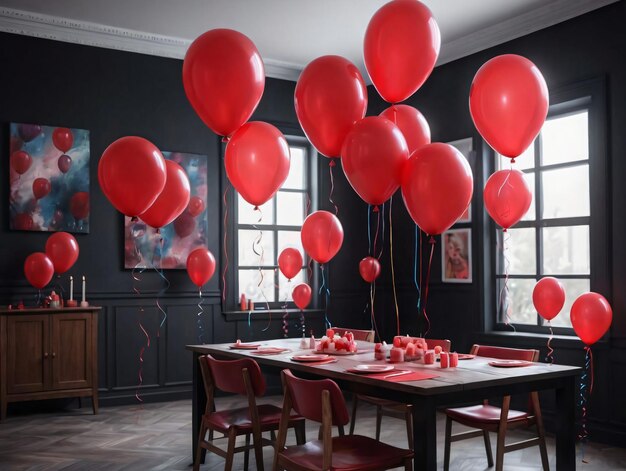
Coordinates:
332 163
504 229
513 160
158 231
432 240
225 139
256 208
134 219
375 210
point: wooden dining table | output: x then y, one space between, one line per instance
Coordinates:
472 381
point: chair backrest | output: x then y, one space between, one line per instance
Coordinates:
505 353
445 345
227 375
306 397
362 335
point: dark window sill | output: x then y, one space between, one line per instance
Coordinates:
535 340
264 314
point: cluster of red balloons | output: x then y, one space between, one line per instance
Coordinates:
61 253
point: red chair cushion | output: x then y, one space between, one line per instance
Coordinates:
483 414
350 453
269 416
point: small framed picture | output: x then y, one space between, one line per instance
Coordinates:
465 147
456 256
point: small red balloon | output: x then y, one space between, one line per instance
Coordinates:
507 197
322 236
38 269
412 124
302 295
63 139
184 225
23 222
591 316
62 249
548 297
64 163
196 206
41 188
28 132
200 266
369 268
79 205
173 199
21 161
290 262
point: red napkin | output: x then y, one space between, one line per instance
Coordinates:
413 376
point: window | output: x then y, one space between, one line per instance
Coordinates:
268 231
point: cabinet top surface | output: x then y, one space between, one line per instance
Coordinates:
43 310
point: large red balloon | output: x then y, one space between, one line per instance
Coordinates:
290 262
257 161
41 188
322 236
132 174
548 297
63 250
79 205
369 268
200 266
591 317
173 199
301 295
437 187
509 103
224 78
21 161
195 206
412 123
330 97
507 197
373 156
400 49
63 139
38 269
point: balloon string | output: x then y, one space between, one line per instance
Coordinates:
302 324
141 352
331 165
225 224
164 288
309 267
199 323
377 229
286 314
415 257
261 254
585 392
393 273
382 236
505 295
372 300
507 209
136 280
550 355
432 243
326 291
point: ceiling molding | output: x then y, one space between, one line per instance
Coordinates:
545 16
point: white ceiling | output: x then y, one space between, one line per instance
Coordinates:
288 33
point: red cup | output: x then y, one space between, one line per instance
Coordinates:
454 360
444 360
396 355
429 357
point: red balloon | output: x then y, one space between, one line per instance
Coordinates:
132 174
79 205
591 317
507 197
330 97
200 266
257 161
548 297
38 269
224 78
64 163
400 48
302 295
63 139
41 188
322 236
23 222
173 199
290 262
21 161
412 123
63 250
437 187
509 103
369 268
196 206
372 157
184 225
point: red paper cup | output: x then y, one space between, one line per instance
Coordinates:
429 357
454 360
444 360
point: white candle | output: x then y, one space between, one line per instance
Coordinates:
83 300
71 287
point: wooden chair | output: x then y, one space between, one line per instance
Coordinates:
322 401
241 377
385 407
488 418
362 335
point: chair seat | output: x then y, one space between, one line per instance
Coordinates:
483 414
269 417
377 401
350 453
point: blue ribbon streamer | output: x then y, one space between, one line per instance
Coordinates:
327 292
199 318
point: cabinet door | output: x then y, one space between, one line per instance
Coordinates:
27 353
71 351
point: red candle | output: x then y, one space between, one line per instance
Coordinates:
444 359
429 357
454 360
396 355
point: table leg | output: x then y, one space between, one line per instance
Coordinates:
425 434
566 425
198 405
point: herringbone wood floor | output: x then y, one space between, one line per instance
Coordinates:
157 437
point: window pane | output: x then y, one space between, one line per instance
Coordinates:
566 250
573 289
530 179
247 215
290 208
249 284
565 139
523 162
520 252
566 192
296 178
247 239
287 287
518 303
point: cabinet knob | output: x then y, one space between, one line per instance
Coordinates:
54 355
45 355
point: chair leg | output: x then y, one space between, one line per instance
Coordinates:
355 405
446 449
300 430
246 453
534 396
258 450
230 451
504 414
488 448
408 417
408 465
273 435
379 418
196 463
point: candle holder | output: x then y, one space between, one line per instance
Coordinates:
84 304
71 303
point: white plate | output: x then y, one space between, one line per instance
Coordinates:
368 369
310 358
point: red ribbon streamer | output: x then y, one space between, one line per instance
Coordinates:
432 243
331 165
225 246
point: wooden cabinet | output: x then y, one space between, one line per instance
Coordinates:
48 354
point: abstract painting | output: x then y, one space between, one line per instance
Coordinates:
456 256
49 178
144 247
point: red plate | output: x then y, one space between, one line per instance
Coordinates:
244 346
370 369
509 363
466 356
310 358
